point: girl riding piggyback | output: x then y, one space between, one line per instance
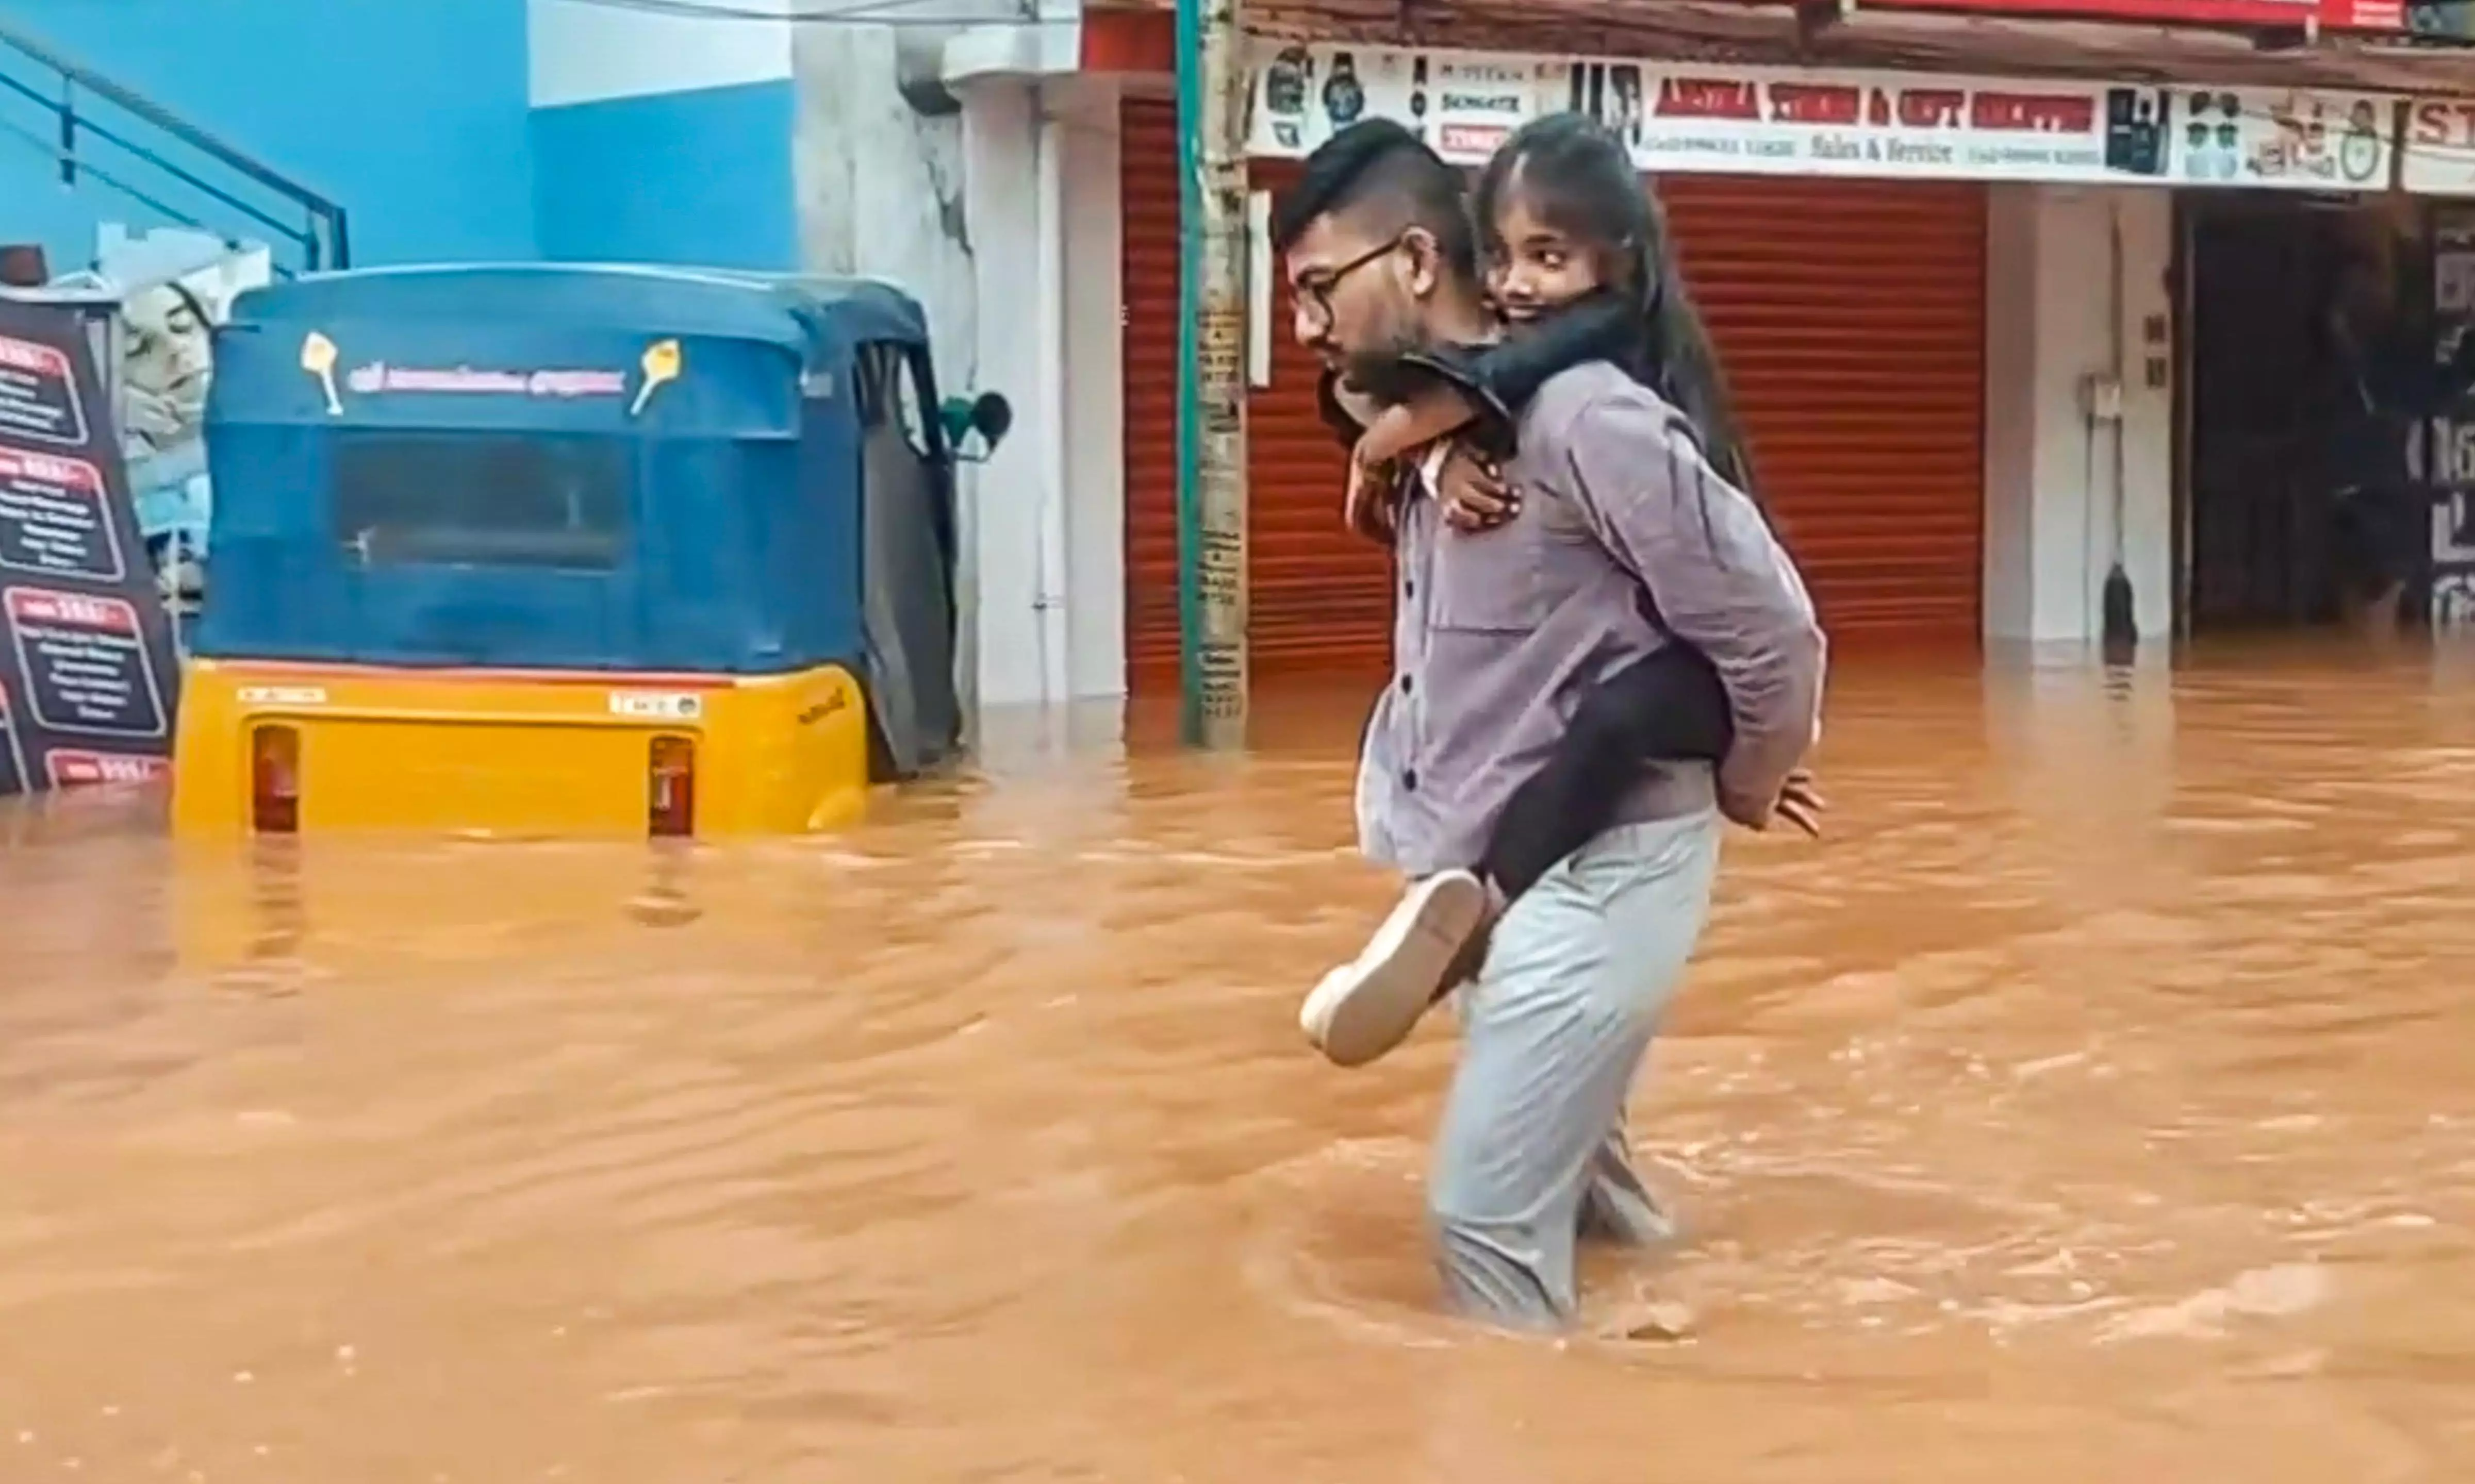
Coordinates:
1581 270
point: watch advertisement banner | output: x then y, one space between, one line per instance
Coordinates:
89 676
2313 140
1720 118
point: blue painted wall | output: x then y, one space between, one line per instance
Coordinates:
700 178
412 114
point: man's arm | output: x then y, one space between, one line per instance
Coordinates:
1718 579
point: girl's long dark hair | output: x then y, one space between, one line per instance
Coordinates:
1580 179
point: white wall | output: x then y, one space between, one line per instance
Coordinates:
1045 528
582 52
880 185
2049 486
1008 631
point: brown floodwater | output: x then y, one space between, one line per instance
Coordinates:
2101 1095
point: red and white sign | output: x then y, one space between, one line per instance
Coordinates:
1716 118
2436 153
1880 124
74 769
75 610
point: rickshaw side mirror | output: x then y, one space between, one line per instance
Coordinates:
989 415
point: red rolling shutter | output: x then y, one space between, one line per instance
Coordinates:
1851 318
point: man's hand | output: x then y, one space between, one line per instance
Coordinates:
1473 494
1368 505
1802 804
1799 803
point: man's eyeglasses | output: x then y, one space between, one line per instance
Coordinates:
1316 290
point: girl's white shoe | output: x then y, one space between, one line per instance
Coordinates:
1367 1007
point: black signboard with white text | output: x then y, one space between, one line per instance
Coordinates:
2446 465
88 678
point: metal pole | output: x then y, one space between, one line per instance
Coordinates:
1211 87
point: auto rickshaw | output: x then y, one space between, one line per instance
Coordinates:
558 551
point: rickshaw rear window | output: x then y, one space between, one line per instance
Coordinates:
482 499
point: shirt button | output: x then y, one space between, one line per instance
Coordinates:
1409 779
1405 687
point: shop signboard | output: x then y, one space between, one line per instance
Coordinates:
88 678
2437 153
2375 15
1717 118
2448 472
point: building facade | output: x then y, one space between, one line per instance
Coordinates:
1957 301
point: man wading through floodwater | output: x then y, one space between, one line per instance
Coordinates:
1497 637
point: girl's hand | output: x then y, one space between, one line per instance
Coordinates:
1474 493
1367 507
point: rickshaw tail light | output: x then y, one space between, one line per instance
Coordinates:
669 800
275 780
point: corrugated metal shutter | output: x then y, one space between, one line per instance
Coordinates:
1148 202
1851 318
1319 598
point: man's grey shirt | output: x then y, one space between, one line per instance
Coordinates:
1497 636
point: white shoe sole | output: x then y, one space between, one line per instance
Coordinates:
1363 1010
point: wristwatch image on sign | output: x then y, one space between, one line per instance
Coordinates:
2358 147
1343 98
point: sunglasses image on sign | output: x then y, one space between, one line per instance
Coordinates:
2211 137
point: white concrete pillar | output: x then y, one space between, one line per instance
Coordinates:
1086 122
1045 531
2050 477
1004 530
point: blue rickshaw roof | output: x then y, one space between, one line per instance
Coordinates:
801 314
